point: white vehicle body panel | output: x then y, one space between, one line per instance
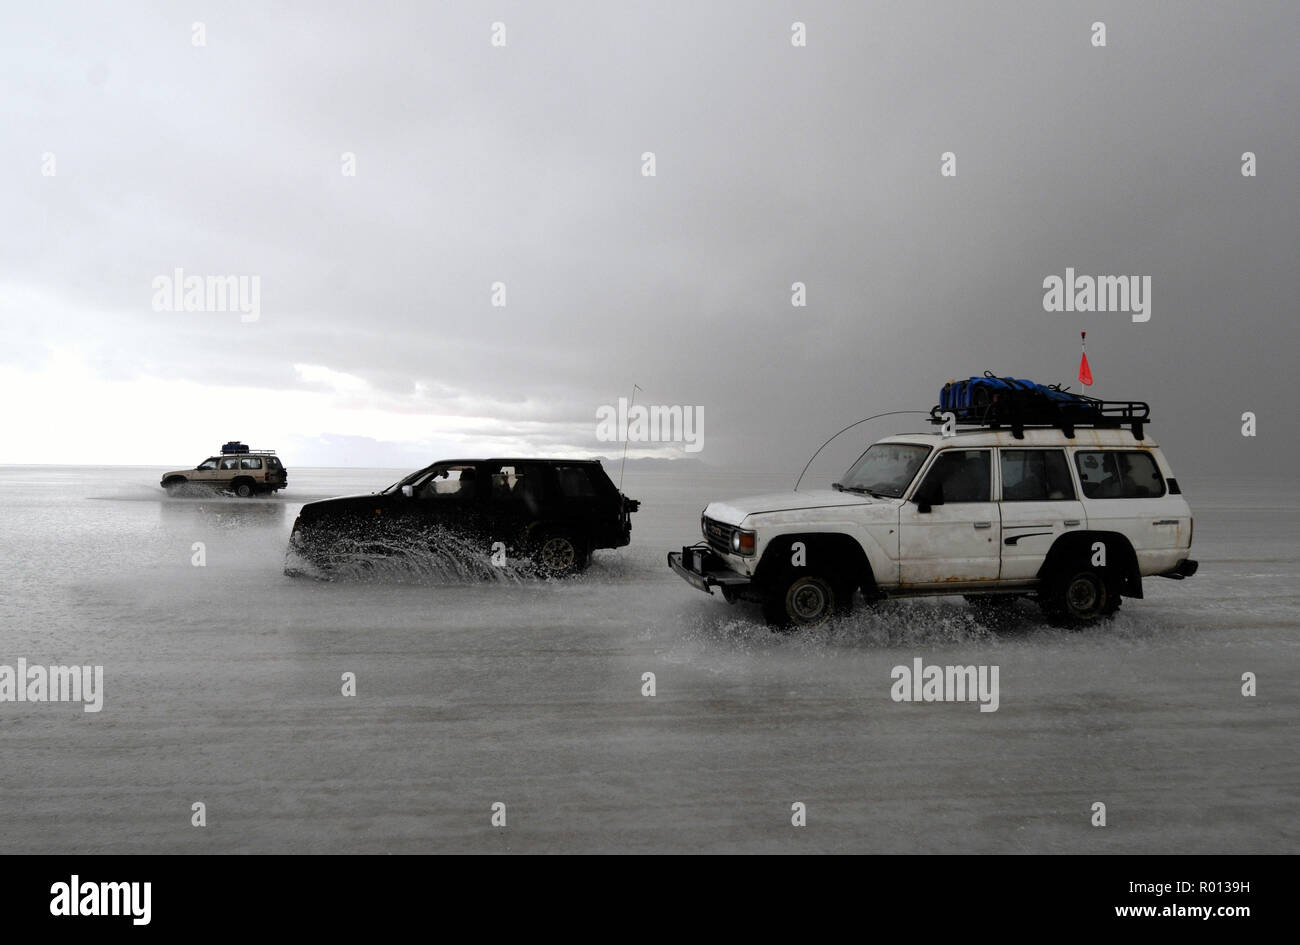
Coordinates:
964 545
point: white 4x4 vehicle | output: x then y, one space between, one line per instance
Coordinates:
237 469
1076 517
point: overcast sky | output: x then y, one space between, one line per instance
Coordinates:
377 341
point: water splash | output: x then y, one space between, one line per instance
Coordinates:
432 557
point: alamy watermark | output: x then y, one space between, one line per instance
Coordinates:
640 423
921 683
23 683
181 293
80 898
1071 293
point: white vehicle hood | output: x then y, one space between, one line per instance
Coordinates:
733 511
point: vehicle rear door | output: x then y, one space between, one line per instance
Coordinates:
514 502
227 470
1038 505
253 466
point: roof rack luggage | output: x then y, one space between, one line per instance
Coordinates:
995 403
236 448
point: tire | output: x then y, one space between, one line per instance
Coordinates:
561 555
1081 596
243 488
799 600
174 485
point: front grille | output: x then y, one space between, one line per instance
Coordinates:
718 535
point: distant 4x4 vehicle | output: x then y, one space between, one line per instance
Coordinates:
1073 513
236 469
555 512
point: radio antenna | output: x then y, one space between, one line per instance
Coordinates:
623 465
891 413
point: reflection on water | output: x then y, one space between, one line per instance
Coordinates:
227 511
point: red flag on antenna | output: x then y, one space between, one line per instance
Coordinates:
1085 371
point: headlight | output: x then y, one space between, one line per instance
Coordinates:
703 528
743 542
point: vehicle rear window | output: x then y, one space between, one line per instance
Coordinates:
1119 474
575 482
273 462
1035 476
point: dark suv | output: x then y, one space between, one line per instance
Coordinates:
551 512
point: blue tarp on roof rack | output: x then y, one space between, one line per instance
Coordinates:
994 402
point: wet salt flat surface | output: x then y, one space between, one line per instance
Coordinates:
222 685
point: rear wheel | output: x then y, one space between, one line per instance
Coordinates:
561 554
242 488
1081 595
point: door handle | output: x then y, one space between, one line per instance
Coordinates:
983 524
1166 521
1071 522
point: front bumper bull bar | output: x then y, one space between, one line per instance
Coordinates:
704 569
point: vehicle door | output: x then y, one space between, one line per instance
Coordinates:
949 531
514 502
449 500
253 466
206 471
227 470
1039 504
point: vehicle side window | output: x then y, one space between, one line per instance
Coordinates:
251 462
208 464
272 462
963 475
1119 474
516 486
1035 476
230 462
443 484
575 482
508 482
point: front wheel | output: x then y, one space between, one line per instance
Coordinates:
804 600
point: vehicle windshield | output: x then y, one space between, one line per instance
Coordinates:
404 481
885 470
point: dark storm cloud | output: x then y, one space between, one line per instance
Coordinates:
775 164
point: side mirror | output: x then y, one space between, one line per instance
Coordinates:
928 495
408 491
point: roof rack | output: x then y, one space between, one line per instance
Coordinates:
1020 413
244 451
